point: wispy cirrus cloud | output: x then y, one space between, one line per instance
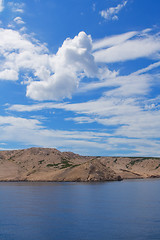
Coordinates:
112 12
18 20
129 122
32 132
113 40
141 46
16 7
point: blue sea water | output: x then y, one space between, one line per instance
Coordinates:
80 211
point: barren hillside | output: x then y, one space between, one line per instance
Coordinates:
46 164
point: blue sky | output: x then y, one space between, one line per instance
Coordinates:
81 76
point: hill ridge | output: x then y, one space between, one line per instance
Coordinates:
50 164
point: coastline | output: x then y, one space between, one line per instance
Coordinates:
51 181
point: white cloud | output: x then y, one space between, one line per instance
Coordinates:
113 40
59 75
72 62
130 119
140 47
17 7
18 20
135 84
11 40
131 85
94 7
148 68
34 107
81 119
111 13
20 52
1 5
31 132
138 147
9 74
134 127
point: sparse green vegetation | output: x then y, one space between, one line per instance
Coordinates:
11 158
53 165
50 165
40 162
115 161
135 161
157 166
138 160
76 165
65 164
56 164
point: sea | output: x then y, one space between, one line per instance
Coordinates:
80 211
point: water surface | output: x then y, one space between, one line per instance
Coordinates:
80 211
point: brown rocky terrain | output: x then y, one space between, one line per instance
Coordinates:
46 164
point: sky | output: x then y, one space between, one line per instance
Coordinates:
80 76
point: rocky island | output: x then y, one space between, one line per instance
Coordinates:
49 164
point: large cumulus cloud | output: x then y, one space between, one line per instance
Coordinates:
72 62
